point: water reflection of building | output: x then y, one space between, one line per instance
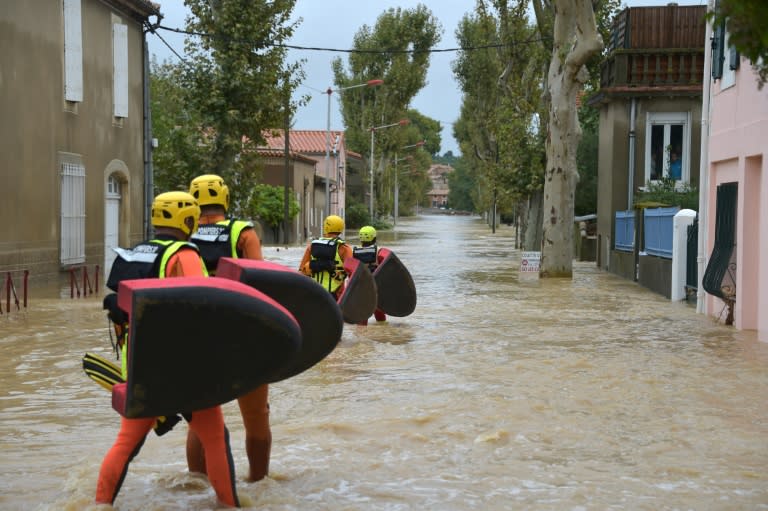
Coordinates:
438 195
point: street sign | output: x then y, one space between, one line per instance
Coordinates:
529 262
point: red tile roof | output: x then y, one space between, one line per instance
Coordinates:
280 153
302 141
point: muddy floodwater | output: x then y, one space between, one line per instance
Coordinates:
500 392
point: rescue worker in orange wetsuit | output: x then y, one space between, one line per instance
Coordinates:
218 236
324 257
169 254
369 255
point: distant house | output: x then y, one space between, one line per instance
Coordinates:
734 220
72 133
331 174
300 177
650 130
438 195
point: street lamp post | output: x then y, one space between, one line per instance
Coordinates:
369 83
397 187
401 122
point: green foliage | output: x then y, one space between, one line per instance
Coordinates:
404 75
268 204
461 184
357 215
409 33
238 82
448 158
586 161
667 193
179 156
498 130
422 128
747 25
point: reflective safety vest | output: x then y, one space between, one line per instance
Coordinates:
326 264
146 260
367 255
219 240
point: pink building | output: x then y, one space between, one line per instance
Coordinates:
733 239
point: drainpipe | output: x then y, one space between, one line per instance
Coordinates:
631 183
701 257
148 142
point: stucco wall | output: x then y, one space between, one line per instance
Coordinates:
39 130
301 177
655 273
623 264
737 153
613 156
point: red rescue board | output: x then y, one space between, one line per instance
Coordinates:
197 342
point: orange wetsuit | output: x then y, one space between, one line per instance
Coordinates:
254 406
208 424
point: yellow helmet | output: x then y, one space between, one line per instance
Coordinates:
333 223
367 234
171 209
210 189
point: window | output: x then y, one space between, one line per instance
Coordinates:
73 51
72 213
120 69
113 187
667 146
731 64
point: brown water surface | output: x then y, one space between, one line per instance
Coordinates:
498 393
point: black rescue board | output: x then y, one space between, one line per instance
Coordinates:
358 300
198 342
396 290
314 308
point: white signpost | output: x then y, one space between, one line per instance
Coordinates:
529 262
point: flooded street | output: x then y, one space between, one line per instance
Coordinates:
498 393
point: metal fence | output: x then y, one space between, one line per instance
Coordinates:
625 231
658 227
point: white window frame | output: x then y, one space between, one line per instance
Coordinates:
73 51
120 69
729 75
72 213
667 119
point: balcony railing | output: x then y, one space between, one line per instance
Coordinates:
653 68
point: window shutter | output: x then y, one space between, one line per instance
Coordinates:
718 51
120 69
733 58
73 51
72 214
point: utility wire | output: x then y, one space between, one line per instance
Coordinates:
354 50
154 32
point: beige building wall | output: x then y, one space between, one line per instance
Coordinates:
613 157
40 131
301 176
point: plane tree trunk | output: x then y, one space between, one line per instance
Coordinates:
575 40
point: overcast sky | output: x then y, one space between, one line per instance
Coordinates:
333 24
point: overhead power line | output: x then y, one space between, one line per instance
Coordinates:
341 50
